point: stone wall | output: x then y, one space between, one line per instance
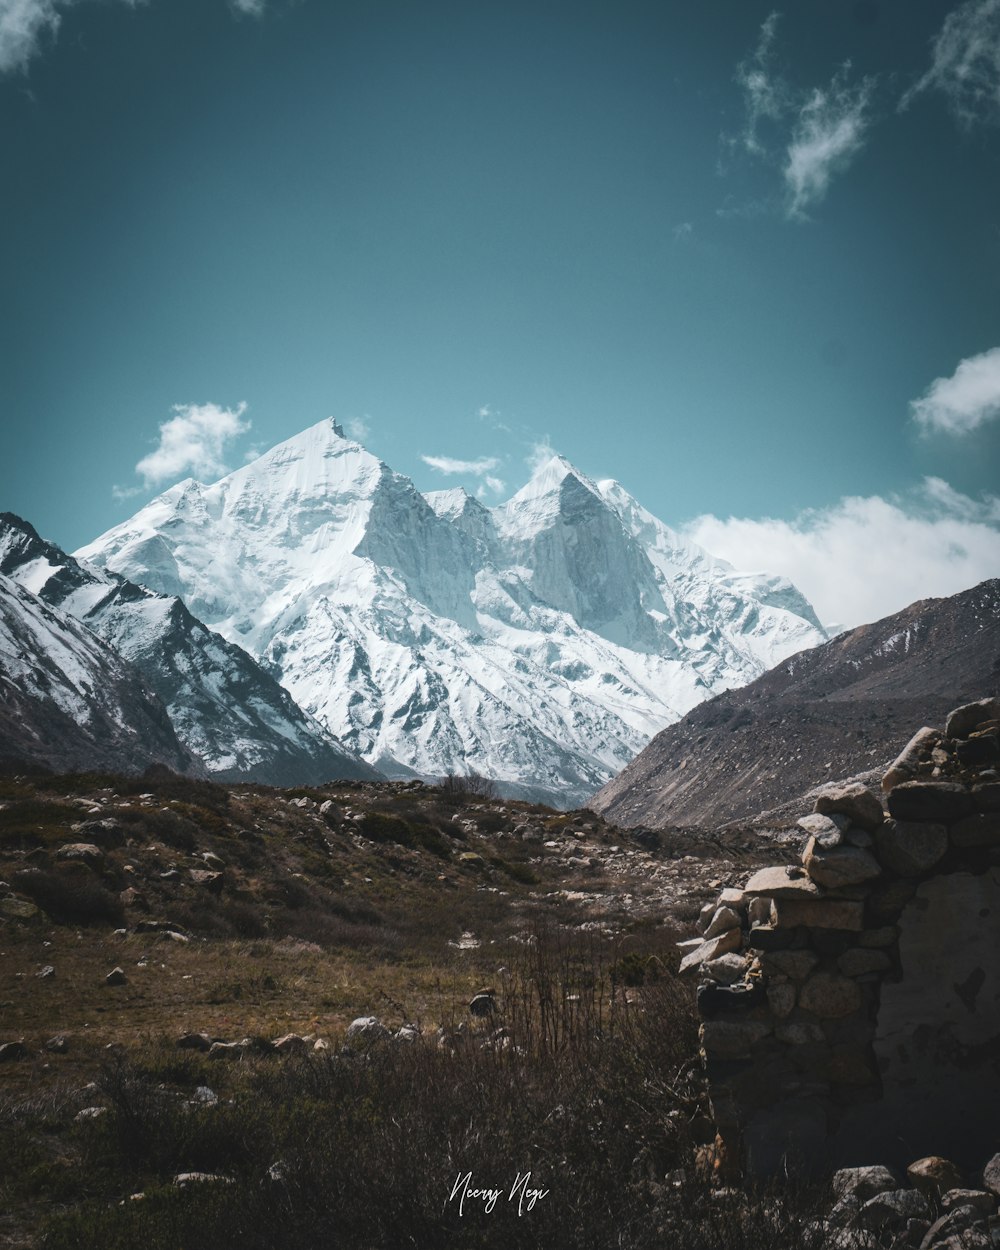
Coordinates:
851 1005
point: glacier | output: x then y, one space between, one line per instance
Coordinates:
541 642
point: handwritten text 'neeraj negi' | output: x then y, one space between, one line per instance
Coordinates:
526 1197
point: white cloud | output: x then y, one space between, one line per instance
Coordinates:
449 465
865 558
764 94
359 428
813 134
683 230
193 442
965 63
252 8
829 131
966 400
23 26
541 453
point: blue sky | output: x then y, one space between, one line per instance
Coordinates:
744 259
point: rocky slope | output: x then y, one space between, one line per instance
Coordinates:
69 702
843 708
224 707
541 642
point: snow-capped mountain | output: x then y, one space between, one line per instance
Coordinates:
224 707
69 702
541 642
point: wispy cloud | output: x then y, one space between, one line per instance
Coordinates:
829 132
359 428
26 25
193 441
541 452
682 231
765 94
965 401
864 558
449 465
965 63
813 134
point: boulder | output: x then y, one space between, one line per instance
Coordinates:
978 1199
906 764
851 799
979 829
911 847
858 962
986 796
721 922
842 866
991 1175
828 831
865 1182
945 801
963 720
116 977
11 1051
794 964
731 1039
964 1228
17 909
727 969
705 952
829 996
890 1210
934 1176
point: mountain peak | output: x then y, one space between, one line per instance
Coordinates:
549 478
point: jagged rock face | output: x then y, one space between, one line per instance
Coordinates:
843 708
69 702
224 707
540 643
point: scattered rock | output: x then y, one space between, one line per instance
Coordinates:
290 1044
10 1051
46 973
201 1178
17 909
116 977
194 1041
58 1045
366 1029
483 1003
90 1113
84 851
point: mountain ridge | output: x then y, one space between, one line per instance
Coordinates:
845 707
537 642
229 712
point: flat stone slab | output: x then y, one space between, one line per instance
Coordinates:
779 883
821 914
721 945
945 801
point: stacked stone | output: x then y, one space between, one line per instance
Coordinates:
793 962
